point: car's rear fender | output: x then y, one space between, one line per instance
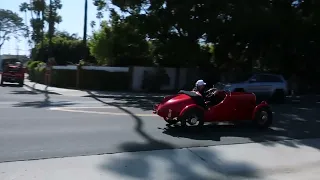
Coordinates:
189 107
167 98
164 100
263 104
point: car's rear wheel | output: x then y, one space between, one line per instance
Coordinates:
263 118
1 83
193 117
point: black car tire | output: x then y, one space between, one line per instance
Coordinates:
192 113
263 123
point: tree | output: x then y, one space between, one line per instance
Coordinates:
67 48
120 43
277 35
42 13
37 11
52 18
11 24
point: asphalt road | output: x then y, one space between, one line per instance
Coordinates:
31 129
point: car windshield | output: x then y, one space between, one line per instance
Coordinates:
219 86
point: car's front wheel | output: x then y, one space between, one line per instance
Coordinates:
263 118
192 118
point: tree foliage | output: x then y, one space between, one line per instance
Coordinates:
120 43
42 13
11 24
279 35
67 49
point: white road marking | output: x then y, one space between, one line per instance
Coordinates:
76 110
80 107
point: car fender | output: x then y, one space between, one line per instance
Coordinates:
263 104
167 98
187 108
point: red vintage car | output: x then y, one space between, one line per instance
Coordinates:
190 109
13 73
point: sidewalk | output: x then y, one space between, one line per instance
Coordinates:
286 160
32 86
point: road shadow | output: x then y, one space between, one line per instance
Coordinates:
46 102
290 122
146 103
24 92
139 166
142 101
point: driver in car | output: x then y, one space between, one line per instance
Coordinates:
201 88
210 96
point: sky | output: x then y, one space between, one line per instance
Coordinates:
72 21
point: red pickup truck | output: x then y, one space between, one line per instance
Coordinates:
13 73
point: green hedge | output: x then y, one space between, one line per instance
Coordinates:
36 71
89 79
63 78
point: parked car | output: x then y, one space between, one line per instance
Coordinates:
13 73
272 86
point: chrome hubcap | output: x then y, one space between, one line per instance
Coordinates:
264 117
193 120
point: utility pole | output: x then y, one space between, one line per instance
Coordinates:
84 41
85 29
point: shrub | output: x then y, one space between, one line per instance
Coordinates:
33 64
63 78
104 80
31 68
